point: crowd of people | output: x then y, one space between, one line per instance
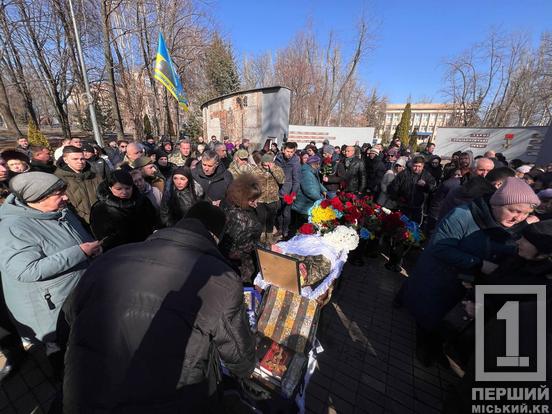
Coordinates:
127 262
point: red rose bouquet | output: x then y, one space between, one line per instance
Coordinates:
288 198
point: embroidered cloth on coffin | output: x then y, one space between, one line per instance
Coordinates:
288 319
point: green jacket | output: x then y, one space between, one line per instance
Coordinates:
81 189
40 262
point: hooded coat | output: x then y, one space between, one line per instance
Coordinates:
310 190
40 256
121 221
375 169
81 188
462 240
175 203
436 172
214 186
169 308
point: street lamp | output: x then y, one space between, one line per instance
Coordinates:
89 100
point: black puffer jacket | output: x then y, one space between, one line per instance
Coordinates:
405 190
121 221
239 239
214 186
148 323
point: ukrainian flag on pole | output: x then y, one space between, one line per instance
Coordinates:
166 74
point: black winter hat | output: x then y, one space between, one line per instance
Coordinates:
212 217
539 234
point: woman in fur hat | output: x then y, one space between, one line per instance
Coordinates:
243 229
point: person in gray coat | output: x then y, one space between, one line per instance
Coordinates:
45 250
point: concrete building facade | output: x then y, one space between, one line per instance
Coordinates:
255 114
426 118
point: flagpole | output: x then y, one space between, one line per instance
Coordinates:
89 98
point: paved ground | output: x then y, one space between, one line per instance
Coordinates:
368 364
31 389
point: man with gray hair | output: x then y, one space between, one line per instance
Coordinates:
213 177
222 152
481 167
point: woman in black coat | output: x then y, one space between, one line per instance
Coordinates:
182 194
121 215
243 230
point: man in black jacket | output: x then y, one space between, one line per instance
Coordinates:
150 321
41 160
410 188
351 170
213 177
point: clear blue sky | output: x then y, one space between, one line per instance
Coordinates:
413 37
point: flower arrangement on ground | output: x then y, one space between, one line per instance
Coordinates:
400 229
403 234
342 238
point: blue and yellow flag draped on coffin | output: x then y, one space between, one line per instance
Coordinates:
166 74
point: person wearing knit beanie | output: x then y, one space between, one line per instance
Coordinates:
513 202
35 186
514 191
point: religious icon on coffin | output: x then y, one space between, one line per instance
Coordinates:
312 269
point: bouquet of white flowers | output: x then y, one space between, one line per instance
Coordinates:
342 238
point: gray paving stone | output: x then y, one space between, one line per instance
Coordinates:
373 382
393 406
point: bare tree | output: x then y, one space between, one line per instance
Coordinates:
500 82
107 7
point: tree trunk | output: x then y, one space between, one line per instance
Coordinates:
15 69
106 28
44 69
145 45
6 111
